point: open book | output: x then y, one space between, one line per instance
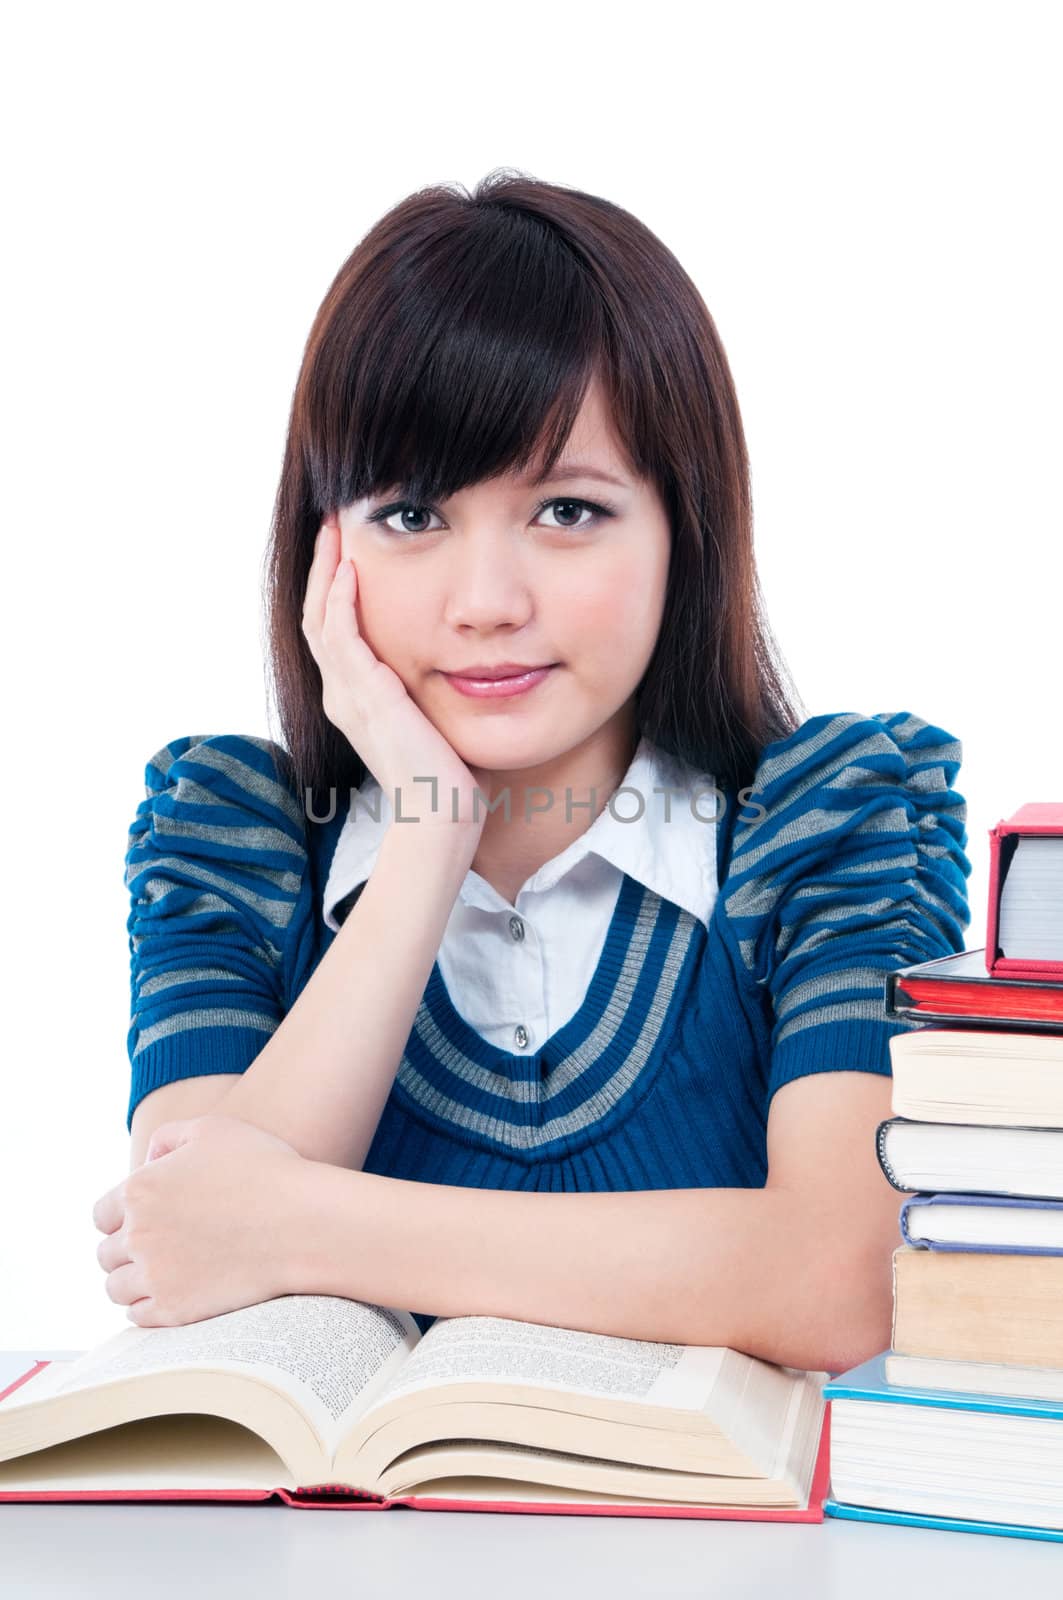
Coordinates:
324 1400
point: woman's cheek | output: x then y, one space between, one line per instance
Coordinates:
623 612
386 619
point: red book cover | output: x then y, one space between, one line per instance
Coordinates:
1043 818
340 1497
958 989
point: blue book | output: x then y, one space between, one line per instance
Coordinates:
915 1519
924 1456
1026 1216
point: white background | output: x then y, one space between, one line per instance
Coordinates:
866 196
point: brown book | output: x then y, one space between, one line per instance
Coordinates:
978 1306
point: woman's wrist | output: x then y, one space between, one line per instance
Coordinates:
437 832
319 1214
440 849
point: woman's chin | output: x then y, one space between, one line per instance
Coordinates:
523 751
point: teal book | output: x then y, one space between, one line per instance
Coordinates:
943 1458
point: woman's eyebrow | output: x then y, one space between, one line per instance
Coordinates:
560 474
577 469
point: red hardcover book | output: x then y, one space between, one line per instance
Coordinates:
1041 819
151 1455
958 989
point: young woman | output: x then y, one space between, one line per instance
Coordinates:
563 1004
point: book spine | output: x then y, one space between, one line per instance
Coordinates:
880 1148
895 1000
332 1491
995 882
916 1244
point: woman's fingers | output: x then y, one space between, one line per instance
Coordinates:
123 1285
358 668
109 1211
339 602
112 1252
322 571
330 605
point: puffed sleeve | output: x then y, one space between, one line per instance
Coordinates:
851 862
215 869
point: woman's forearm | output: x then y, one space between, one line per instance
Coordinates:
322 1080
774 1273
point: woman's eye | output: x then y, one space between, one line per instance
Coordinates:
568 506
407 509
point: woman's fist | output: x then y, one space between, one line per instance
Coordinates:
216 1218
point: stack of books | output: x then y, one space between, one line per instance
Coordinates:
960 1423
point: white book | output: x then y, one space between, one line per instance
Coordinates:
992 1076
1030 921
940 1156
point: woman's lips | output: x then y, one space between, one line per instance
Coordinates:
493 688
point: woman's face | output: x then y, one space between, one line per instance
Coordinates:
489 577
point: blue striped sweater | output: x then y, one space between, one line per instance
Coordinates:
847 860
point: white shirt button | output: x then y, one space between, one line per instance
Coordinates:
521 1036
516 928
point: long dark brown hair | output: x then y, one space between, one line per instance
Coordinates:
456 342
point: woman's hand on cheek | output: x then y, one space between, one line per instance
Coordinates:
208 1224
367 701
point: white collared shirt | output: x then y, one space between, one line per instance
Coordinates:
517 973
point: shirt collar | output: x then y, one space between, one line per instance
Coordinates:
667 842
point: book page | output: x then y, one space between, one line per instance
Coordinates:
1030 924
327 1353
505 1351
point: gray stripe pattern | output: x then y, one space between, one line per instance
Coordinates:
767 860
520 1135
212 1017
246 905
206 753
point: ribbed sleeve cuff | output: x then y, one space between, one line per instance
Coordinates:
859 1044
192 1053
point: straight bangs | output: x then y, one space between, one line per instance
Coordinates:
475 367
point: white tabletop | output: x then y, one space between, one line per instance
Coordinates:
269 1549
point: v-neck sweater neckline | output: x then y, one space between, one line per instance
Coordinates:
584 1075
